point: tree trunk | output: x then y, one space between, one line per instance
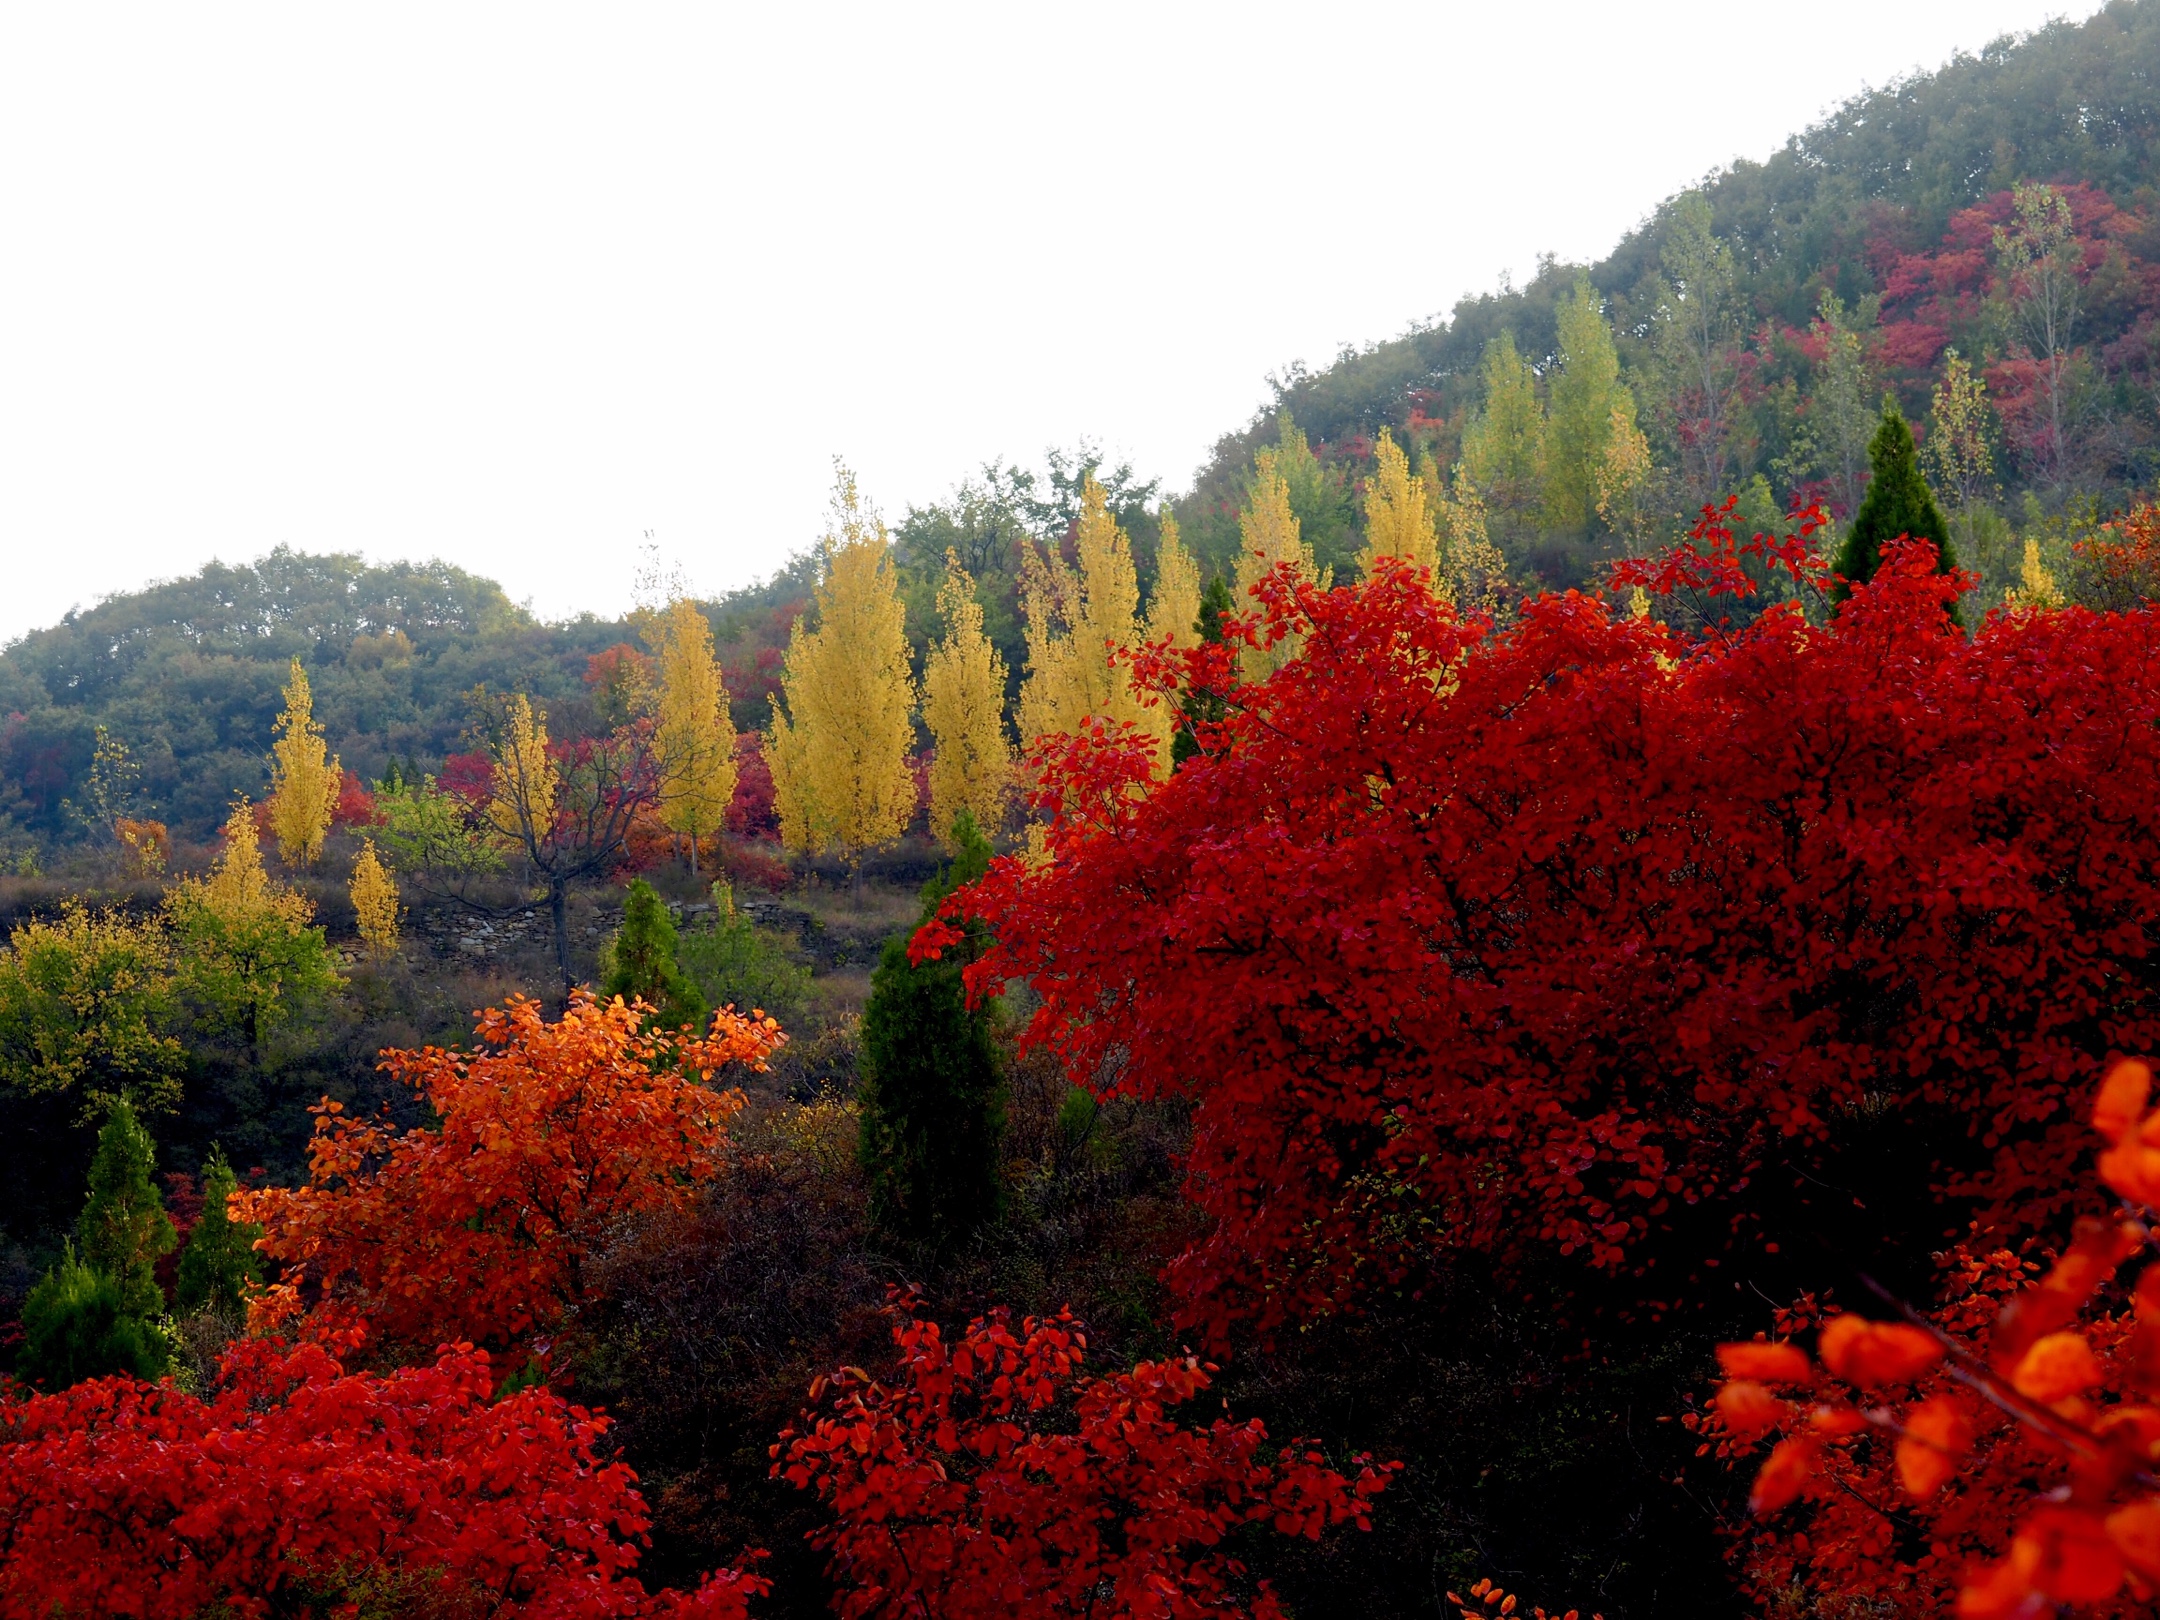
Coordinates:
693 852
559 915
855 882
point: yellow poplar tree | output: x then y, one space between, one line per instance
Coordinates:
1174 608
374 902
522 807
1399 517
838 747
694 737
971 764
1270 529
304 779
1467 555
1076 618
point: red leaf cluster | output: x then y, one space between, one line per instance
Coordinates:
299 1483
1545 935
957 1493
2030 1469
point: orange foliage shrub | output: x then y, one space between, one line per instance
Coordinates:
146 844
2029 1472
476 1229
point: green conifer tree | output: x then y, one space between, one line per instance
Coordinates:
641 965
933 1100
1898 502
219 1260
124 1230
77 1325
1216 603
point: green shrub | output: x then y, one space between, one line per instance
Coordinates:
219 1260
77 1325
639 962
735 963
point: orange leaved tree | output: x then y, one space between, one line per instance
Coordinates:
475 1228
2009 1478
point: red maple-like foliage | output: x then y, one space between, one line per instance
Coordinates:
1550 935
2025 1468
355 804
300 1487
957 1493
476 1227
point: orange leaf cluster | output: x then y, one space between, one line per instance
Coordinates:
476 1228
2050 1440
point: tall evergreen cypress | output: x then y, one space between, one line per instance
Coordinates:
933 1099
641 962
1898 502
124 1230
1216 603
219 1260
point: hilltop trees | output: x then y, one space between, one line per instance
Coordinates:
838 744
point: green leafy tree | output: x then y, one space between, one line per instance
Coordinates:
248 955
1898 502
1586 393
219 1260
84 1002
641 965
124 1230
933 1100
734 963
77 1325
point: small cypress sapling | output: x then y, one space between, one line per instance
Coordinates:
933 1098
1202 705
219 1260
1898 502
641 962
124 1230
77 1325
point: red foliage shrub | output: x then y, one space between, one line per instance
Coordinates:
355 805
470 777
1551 935
2026 1468
300 1486
956 1496
751 814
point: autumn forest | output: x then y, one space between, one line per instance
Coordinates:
1533 998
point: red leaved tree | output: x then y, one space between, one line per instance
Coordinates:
959 1493
476 1227
300 1487
2006 1478
1563 934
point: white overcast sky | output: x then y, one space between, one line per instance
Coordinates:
514 285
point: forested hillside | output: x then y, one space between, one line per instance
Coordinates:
1756 322
1981 242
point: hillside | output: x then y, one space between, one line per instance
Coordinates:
1747 330
1890 205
